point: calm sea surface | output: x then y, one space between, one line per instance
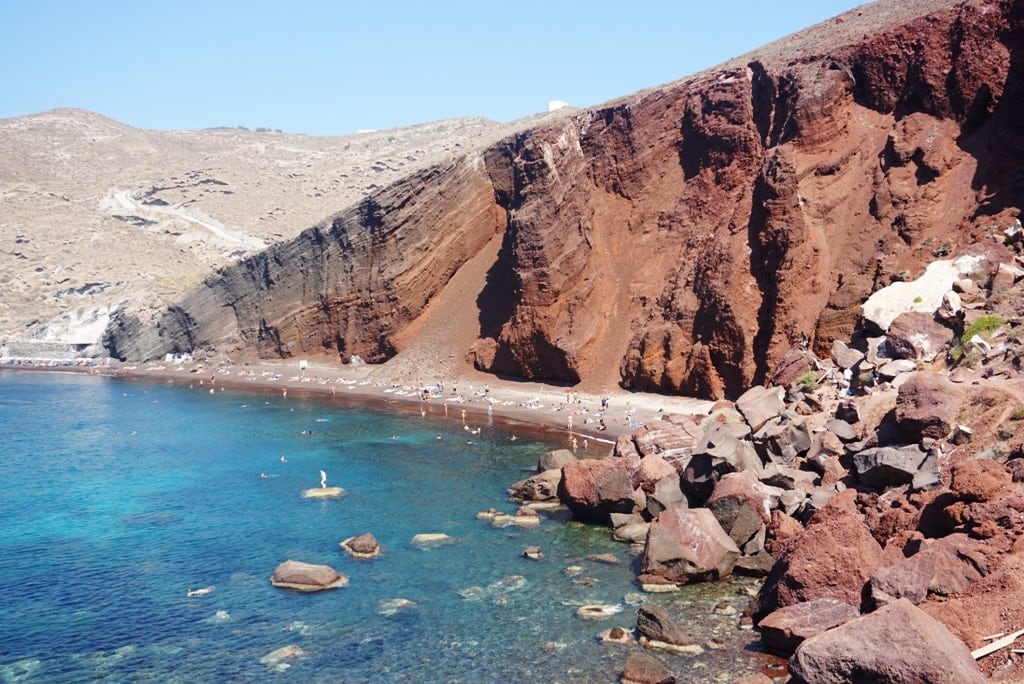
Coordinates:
116 497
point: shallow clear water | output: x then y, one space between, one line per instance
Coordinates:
118 496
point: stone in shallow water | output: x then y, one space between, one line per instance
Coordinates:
307 577
643 668
427 540
598 611
659 630
323 493
283 653
363 546
533 553
394 605
616 635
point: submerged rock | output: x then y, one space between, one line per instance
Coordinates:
324 493
394 605
598 611
283 653
428 540
643 668
616 635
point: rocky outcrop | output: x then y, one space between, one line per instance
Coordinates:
852 494
765 200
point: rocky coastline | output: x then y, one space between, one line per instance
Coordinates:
877 491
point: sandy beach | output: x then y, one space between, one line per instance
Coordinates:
593 420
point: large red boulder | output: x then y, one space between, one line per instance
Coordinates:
927 405
833 557
978 479
896 643
595 488
942 567
687 545
786 628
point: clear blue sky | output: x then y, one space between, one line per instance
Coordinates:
335 67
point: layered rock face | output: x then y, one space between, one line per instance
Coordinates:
681 240
347 285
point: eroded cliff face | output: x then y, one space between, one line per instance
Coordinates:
346 286
681 240
723 220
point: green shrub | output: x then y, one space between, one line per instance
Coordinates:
984 326
1017 413
808 381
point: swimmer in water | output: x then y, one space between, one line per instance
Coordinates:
323 479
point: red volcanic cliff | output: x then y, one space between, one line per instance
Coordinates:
680 240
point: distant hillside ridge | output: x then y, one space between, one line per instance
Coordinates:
99 216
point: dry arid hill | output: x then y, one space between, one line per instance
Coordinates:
679 240
97 215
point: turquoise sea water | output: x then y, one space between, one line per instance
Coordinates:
116 497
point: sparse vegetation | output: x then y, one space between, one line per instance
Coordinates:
984 326
808 381
1017 413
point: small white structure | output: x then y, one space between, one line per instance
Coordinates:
555 105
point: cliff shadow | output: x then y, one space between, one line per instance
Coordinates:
497 300
996 141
